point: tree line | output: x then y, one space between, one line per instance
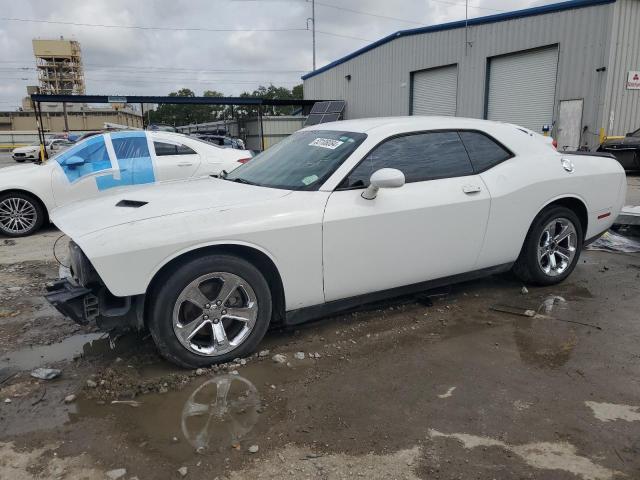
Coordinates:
171 114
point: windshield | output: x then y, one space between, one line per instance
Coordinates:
302 161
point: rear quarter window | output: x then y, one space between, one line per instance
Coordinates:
165 149
484 151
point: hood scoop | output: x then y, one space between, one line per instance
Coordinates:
131 203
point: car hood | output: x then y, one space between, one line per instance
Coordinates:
163 199
8 174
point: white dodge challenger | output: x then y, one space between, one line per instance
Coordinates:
98 165
336 215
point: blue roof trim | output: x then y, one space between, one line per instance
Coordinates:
499 17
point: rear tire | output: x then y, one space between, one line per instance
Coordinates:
21 214
552 247
209 310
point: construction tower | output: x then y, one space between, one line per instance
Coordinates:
59 64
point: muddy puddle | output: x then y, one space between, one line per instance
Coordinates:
213 415
83 345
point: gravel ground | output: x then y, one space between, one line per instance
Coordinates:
436 387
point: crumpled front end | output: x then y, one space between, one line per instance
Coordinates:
81 296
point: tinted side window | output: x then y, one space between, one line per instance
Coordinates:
423 156
163 149
184 150
483 151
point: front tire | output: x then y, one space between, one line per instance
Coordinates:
21 214
552 247
209 310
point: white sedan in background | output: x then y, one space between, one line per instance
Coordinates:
32 152
332 217
99 164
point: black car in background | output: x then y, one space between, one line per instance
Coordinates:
626 150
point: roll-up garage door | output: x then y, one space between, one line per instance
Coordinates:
434 91
522 88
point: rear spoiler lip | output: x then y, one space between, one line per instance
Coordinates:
587 154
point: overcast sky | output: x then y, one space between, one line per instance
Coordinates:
155 62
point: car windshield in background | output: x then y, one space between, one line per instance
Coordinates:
302 161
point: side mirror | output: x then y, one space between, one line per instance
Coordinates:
383 178
74 161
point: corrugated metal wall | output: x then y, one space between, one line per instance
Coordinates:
275 129
622 105
380 78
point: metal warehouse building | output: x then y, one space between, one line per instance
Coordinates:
571 65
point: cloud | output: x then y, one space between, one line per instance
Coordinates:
152 62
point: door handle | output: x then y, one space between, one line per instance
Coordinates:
185 164
468 189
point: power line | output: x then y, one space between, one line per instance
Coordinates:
397 19
163 70
177 29
148 27
360 12
174 81
458 4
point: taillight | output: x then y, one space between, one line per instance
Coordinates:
244 160
555 144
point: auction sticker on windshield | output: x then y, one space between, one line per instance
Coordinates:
326 143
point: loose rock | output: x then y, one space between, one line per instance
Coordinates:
183 471
46 373
91 383
253 449
524 290
200 371
263 353
69 398
299 355
117 473
279 358
7 400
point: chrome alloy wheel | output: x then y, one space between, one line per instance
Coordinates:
17 215
215 313
557 246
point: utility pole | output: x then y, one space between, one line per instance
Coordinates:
313 29
467 43
466 26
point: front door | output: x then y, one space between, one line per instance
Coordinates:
75 176
100 164
432 227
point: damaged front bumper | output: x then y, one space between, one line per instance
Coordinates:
87 305
81 295
73 301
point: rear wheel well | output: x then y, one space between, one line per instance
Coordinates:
577 207
259 259
35 198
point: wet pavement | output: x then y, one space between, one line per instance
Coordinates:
447 385
401 390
